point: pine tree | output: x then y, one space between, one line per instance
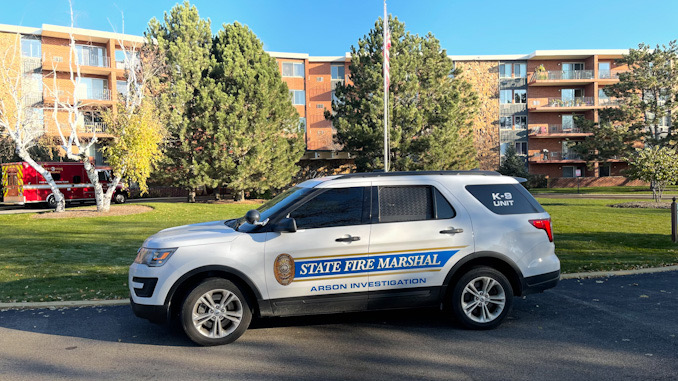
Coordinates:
647 95
256 138
430 111
184 40
512 164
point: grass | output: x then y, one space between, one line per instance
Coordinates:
85 258
673 189
88 258
591 236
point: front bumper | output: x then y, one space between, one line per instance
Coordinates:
156 314
539 283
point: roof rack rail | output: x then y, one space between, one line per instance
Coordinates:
418 173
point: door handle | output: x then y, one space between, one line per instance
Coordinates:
347 239
452 231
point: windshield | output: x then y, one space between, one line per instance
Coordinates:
277 203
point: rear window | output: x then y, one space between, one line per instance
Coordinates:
505 198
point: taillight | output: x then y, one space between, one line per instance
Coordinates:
545 225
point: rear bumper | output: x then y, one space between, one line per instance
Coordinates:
539 283
156 314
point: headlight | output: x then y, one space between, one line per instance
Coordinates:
153 257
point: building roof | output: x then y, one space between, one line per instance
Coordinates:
544 55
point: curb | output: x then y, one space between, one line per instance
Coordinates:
601 274
71 303
123 302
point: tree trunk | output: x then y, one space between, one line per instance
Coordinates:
191 195
58 196
108 196
94 180
239 195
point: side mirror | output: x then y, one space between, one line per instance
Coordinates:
288 225
252 217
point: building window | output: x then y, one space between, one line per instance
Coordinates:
568 122
604 170
521 148
454 69
298 97
92 88
505 71
520 70
338 72
302 124
521 122
506 122
91 55
520 96
31 47
604 70
293 69
568 171
121 87
505 96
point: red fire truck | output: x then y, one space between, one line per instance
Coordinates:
22 185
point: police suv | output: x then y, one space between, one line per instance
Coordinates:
465 240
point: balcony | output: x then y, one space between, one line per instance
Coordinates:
554 129
95 127
97 95
31 65
562 104
554 157
32 100
608 102
561 77
508 109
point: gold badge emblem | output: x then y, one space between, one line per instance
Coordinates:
283 268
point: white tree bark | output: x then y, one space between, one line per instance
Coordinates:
20 124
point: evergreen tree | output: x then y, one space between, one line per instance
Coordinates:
647 95
430 111
248 111
512 164
183 39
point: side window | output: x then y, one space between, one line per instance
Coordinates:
505 198
335 207
56 176
76 180
102 176
412 203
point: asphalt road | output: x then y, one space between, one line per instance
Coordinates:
619 328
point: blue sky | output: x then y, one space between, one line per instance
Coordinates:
330 27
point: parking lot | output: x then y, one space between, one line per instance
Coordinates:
619 328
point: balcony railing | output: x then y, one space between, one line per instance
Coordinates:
607 74
32 65
561 75
608 102
100 95
31 100
507 109
91 127
569 102
555 129
548 156
93 60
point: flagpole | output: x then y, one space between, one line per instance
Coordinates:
386 74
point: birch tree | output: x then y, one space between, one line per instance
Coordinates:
19 122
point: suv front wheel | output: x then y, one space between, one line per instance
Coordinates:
482 298
216 312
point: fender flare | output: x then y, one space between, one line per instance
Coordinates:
212 268
519 281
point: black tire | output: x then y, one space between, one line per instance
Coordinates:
199 330
120 198
51 202
483 309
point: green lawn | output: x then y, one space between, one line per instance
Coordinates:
673 189
591 236
88 258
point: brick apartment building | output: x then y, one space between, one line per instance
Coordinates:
528 101
46 73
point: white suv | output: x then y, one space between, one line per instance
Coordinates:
465 240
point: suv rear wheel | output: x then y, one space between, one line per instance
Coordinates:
215 312
482 298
